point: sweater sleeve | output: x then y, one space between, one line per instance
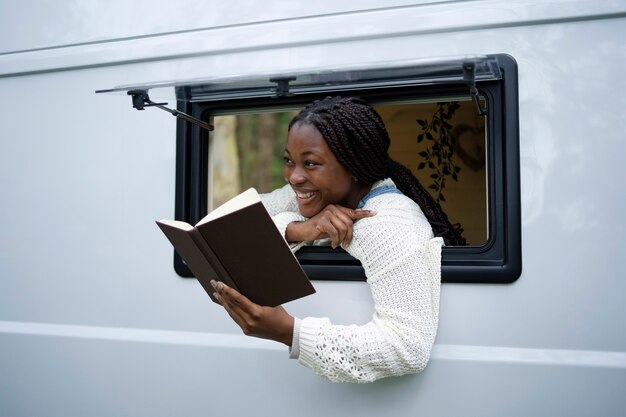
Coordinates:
283 208
402 263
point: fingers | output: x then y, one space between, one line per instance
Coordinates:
344 225
334 222
235 305
238 307
231 298
337 225
355 214
266 322
358 214
343 219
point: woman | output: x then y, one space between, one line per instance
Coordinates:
342 186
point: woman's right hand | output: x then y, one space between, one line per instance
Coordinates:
334 222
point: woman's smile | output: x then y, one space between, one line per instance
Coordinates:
304 196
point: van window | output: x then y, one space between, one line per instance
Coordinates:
459 136
442 142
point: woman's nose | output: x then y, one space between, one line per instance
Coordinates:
296 176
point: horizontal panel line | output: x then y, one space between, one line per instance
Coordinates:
511 355
192 45
135 335
241 25
558 357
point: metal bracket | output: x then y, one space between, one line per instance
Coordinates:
141 100
469 74
282 86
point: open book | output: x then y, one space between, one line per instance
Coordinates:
238 244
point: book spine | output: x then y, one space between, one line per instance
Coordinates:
210 256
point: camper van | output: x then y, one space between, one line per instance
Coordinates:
511 113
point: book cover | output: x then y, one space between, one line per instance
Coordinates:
238 243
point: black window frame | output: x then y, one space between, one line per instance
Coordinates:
499 260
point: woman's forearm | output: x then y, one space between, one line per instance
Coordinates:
296 232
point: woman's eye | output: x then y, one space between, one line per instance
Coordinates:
288 161
310 163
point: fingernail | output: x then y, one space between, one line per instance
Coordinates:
214 284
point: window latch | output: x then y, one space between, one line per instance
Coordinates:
469 75
282 86
141 100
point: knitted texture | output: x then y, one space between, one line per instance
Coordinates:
282 206
402 263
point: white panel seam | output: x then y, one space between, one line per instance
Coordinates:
445 352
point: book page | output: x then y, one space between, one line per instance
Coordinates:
245 199
177 224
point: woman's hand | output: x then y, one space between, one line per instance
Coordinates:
334 221
265 322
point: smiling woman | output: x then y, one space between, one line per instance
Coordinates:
325 191
342 187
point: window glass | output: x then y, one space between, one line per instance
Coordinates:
442 142
246 150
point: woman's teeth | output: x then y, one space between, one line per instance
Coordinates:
305 196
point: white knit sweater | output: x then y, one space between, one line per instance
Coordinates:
402 263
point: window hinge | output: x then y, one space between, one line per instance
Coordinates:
141 100
469 75
282 86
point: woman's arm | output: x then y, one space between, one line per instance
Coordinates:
334 222
282 206
280 200
403 266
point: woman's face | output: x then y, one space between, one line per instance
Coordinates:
314 173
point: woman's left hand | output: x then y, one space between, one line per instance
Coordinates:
265 322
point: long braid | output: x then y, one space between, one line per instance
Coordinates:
357 136
438 219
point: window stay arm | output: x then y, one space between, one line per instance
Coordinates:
141 100
469 75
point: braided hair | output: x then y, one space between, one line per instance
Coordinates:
357 136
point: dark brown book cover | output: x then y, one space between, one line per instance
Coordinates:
239 244
196 253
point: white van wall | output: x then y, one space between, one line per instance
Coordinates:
94 320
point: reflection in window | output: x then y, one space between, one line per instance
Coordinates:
246 151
